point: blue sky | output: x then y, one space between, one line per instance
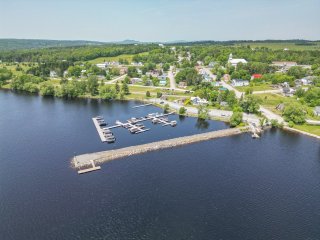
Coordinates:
160 20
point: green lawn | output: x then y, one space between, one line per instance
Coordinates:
309 128
260 87
272 100
13 66
111 59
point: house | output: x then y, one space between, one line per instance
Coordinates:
287 91
163 82
135 80
53 74
307 80
239 83
198 101
317 111
234 61
102 65
226 77
123 70
256 76
224 104
284 66
182 84
139 71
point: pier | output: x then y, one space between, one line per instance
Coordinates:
105 156
99 130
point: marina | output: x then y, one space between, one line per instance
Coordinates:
133 125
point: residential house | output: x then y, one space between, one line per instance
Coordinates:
102 65
288 91
53 74
163 82
234 61
123 70
280 107
317 111
182 84
239 83
135 80
256 76
198 101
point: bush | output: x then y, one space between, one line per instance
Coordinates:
294 112
182 111
291 124
166 108
203 112
159 94
236 119
148 94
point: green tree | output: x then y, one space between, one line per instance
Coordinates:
117 87
294 112
107 92
236 119
250 104
166 108
182 111
159 94
92 85
47 89
148 94
203 112
125 88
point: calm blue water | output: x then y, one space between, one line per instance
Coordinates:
230 188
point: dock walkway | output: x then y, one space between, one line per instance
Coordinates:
101 135
105 156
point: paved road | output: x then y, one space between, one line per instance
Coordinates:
116 79
215 113
172 79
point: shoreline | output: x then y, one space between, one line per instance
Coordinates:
226 120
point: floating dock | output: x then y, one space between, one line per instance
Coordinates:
143 105
99 129
101 157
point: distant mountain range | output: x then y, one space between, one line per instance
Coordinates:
16 44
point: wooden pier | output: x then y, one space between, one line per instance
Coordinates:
143 105
101 157
93 168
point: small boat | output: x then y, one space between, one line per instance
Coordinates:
139 125
111 139
173 123
102 123
99 118
134 130
155 121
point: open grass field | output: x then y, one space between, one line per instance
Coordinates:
114 59
309 128
271 101
260 87
277 46
13 66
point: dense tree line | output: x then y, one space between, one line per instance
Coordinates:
73 54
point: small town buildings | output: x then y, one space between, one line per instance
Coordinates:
317 111
198 101
234 61
137 64
53 74
182 84
284 66
256 76
307 80
288 91
239 83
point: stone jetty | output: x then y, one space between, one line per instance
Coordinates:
82 161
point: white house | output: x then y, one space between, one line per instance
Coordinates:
198 101
102 65
234 61
239 83
53 74
317 111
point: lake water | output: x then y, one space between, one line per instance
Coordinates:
229 188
